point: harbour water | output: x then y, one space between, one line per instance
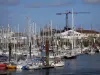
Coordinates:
83 65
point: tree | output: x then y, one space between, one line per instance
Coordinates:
85 42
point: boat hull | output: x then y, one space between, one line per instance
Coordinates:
11 67
59 65
3 66
71 57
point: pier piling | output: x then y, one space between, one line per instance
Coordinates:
47 53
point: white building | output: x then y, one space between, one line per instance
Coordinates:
71 34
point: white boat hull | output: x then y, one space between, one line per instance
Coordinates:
59 64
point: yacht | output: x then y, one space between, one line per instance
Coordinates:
57 62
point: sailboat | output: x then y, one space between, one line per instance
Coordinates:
32 63
72 54
10 63
57 62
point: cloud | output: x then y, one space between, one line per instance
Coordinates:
9 2
92 1
55 4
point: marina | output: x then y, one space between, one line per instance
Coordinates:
83 65
37 42
41 52
49 58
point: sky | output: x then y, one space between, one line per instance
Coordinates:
41 12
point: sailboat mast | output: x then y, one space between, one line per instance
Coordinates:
51 28
33 34
8 36
18 38
15 45
81 39
43 35
30 40
72 30
3 37
51 35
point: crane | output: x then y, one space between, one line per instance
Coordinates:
67 13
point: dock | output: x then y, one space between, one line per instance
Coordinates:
44 67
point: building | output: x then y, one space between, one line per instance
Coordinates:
88 33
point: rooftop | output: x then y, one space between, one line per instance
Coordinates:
87 31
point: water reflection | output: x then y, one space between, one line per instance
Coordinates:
5 73
70 64
73 63
9 73
47 72
43 72
11 70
